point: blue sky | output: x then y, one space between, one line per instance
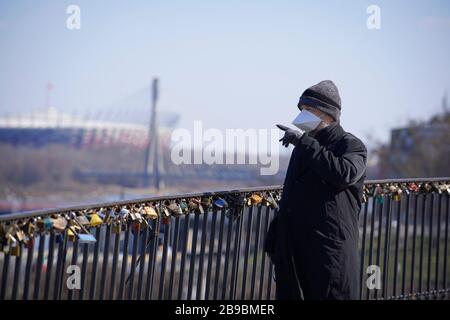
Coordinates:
231 64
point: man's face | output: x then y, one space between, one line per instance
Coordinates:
326 119
322 115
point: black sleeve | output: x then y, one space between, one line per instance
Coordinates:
340 171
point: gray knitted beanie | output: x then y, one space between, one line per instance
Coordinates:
323 96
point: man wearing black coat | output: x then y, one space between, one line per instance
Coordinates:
313 239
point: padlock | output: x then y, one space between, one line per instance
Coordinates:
115 228
205 204
83 220
14 246
175 209
254 199
193 204
82 238
47 223
19 234
124 212
165 211
220 203
31 227
270 201
397 195
70 234
95 220
413 187
59 224
184 206
150 212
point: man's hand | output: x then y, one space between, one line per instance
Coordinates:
290 135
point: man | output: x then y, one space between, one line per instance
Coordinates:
313 239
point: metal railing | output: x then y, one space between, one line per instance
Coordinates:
218 253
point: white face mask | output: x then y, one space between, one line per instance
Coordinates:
306 121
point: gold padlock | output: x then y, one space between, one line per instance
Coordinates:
71 232
150 212
95 220
255 199
14 249
14 246
115 228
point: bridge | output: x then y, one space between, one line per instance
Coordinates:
210 246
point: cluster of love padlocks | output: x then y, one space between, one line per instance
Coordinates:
379 191
75 225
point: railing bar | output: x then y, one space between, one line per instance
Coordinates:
17 271
37 279
270 275
28 266
236 252
380 228
5 273
73 262
255 253
48 272
63 264
193 256
397 240
174 256
446 241
151 256
154 256
363 250
183 257
202 254
430 242
227 258
35 213
422 237
83 271
212 235
263 255
371 237
219 254
130 279
438 236
141 262
112 289
247 252
123 270
387 246
105 262
413 262
92 287
162 275
405 245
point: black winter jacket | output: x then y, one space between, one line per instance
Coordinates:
313 239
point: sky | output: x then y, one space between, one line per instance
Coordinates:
230 64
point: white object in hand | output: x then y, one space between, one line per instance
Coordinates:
306 121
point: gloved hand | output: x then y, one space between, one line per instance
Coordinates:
290 135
